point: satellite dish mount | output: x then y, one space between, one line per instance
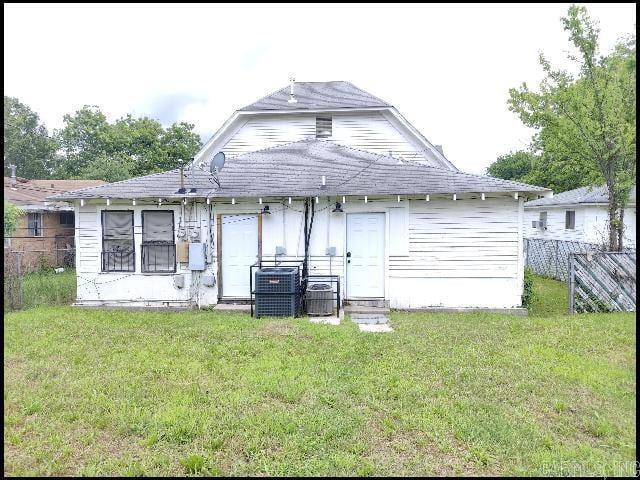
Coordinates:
217 162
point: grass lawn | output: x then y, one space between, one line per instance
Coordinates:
106 392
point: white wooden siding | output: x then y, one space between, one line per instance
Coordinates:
444 253
590 225
370 131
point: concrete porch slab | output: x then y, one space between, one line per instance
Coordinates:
382 328
369 318
325 320
233 306
328 320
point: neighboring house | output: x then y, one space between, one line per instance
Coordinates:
45 234
578 215
387 212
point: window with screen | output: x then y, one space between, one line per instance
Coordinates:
34 224
323 127
570 220
118 250
67 219
158 242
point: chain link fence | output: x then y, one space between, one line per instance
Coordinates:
550 258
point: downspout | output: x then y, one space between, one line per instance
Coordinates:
308 227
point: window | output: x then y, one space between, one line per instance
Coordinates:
34 224
118 251
323 127
67 218
158 242
570 220
543 219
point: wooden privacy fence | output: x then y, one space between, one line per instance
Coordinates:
550 257
602 282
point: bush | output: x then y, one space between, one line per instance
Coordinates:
527 292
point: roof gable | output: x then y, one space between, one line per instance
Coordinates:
317 96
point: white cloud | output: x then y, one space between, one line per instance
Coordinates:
446 68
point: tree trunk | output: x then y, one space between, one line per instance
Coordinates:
621 230
613 234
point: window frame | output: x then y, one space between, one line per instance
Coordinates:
172 244
324 119
40 228
67 213
567 216
133 241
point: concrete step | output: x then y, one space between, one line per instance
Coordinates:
368 302
359 309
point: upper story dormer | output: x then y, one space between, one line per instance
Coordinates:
334 111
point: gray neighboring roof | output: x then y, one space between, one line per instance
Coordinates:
577 196
318 95
295 169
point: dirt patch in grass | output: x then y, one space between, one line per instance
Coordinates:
277 328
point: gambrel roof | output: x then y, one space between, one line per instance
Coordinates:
582 195
317 95
296 169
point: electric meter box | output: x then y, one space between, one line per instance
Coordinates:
197 256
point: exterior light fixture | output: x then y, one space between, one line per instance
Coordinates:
265 210
338 208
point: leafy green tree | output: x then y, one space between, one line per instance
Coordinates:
12 214
129 147
586 123
26 141
82 140
513 166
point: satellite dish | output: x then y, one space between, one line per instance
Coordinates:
217 163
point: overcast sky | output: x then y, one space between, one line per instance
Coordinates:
446 68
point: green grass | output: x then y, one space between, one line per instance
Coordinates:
550 297
108 392
49 288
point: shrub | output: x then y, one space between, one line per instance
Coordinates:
527 292
11 215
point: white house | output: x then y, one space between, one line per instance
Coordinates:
578 215
386 211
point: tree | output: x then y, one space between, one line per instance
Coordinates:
11 215
513 166
586 123
129 147
26 141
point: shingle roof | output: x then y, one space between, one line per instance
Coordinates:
33 192
318 95
579 195
295 169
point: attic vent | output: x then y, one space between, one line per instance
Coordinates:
323 127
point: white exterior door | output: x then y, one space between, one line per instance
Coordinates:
365 255
239 252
